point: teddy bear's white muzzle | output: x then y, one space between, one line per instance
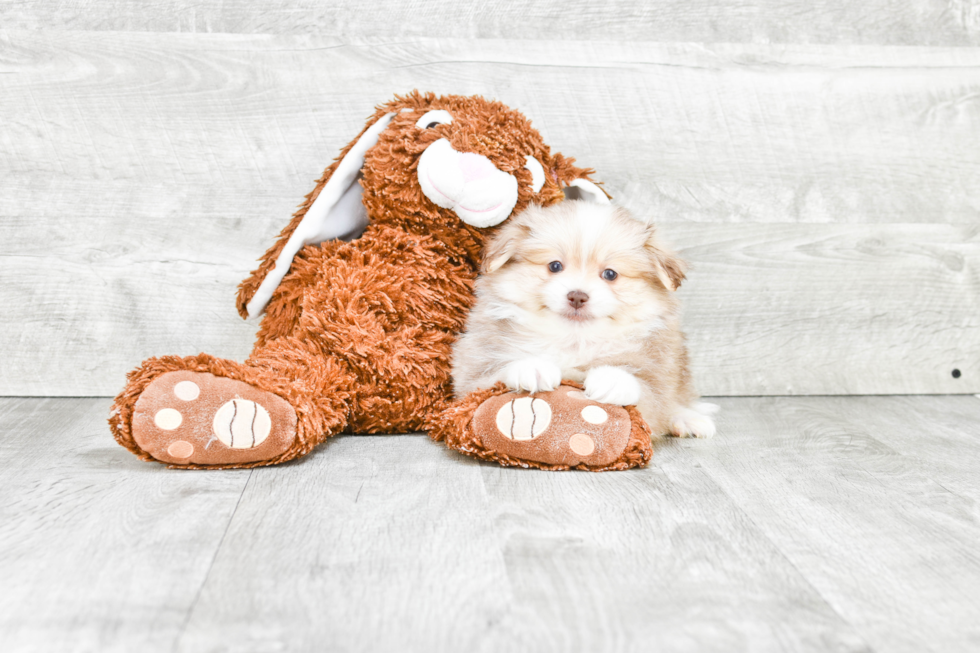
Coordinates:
470 184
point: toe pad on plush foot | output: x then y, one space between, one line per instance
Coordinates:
197 418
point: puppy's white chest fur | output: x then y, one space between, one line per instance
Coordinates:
576 348
578 352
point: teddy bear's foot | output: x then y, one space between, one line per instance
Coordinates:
559 429
199 419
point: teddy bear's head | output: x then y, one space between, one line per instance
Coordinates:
455 162
448 167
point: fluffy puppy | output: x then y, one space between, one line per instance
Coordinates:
584 292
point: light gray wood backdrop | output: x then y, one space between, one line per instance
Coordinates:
817 162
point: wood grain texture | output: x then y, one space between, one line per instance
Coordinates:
142 174
806 524
937 435
401 548
657 560
724 133
878 533
912 22
391 549
831 309
98 553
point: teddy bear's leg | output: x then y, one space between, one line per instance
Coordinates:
203 412
556 430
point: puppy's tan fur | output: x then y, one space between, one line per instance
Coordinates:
624 342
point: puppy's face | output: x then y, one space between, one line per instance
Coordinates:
582 263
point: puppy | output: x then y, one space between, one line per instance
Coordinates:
584 292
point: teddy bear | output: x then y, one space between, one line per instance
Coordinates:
361 298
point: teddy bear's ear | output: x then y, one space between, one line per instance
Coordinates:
337 212
583 189
574 181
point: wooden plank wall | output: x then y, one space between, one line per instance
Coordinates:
817 162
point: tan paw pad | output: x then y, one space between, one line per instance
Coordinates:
594 415
187 390
180 449
581 444
168 419
524 418
242 424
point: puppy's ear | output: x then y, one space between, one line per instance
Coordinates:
667 266
503 246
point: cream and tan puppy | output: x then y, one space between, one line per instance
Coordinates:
584 292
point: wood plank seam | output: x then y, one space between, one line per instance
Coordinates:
217 551
762 532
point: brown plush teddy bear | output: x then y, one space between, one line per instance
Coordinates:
362 296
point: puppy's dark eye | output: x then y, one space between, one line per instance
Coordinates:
556 266
609 275
432 124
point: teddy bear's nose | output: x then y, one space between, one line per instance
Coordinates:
475 167
577 298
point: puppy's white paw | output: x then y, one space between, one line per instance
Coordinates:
533 375
612 385
706 408
691 423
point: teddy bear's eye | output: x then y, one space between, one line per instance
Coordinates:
609 275
434 118
556 266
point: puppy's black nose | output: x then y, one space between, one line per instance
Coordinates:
577 298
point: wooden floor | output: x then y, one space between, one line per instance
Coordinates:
807 524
